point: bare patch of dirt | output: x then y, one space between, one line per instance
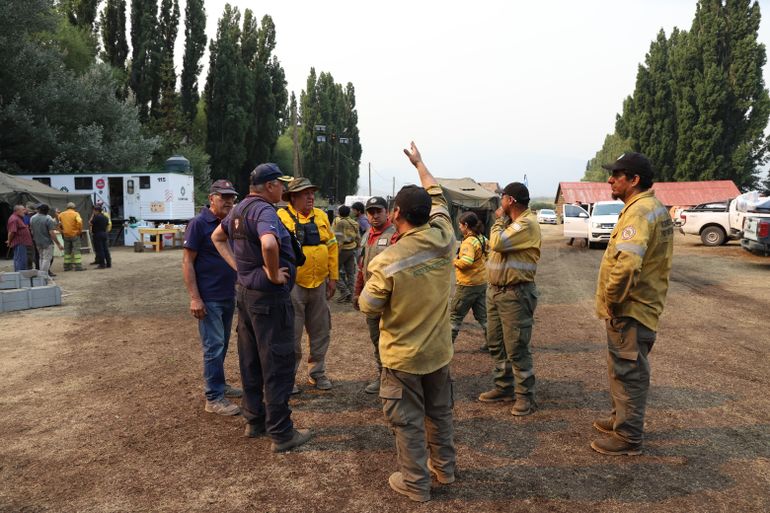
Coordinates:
103 406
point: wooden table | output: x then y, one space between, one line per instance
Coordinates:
159 233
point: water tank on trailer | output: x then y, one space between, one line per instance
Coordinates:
177 164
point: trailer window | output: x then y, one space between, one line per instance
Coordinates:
84 183
144 182
43 179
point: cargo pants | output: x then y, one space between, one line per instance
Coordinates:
311 312
468 297
419 411
347 267
510 313
72 256
628 344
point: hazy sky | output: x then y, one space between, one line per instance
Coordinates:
487 89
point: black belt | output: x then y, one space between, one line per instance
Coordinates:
511 286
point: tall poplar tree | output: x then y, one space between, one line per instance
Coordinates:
144 26
113 25
194 47
162 65
225 114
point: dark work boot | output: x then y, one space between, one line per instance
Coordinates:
614 446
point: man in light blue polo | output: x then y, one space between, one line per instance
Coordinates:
210 282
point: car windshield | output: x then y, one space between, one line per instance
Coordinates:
547 212
608 209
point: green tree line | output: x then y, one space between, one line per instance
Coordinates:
700 106
80 93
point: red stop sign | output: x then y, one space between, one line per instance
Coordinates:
100 183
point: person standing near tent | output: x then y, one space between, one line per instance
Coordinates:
19 237
100 231
44 236
514 241
71 226
470 275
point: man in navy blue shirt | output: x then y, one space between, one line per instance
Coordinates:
211 284
263 254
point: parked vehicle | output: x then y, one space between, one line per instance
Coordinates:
756 235
719 221
597 226
546 216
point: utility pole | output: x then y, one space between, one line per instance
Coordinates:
393 194
370 178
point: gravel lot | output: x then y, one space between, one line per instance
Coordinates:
103 406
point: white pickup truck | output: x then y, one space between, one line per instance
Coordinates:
596 227
720 221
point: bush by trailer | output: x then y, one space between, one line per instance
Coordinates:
149 196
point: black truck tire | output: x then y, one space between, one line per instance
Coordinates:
713 236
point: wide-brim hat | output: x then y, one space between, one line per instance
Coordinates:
298 185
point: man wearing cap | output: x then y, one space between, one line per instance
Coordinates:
409 286
210 281
630 295
263 255
100 234
105 212
19 237
44 236
71 226
316 279
348 239
376 239
514 244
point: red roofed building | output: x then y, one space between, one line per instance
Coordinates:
671 194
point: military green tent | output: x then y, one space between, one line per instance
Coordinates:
21 191
465 194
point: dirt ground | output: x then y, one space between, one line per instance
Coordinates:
102 404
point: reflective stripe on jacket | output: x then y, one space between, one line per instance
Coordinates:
633 276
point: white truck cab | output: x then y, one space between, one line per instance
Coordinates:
595 226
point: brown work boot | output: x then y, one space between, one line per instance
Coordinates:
497 395
440 476
396 482
614 446
373 387
604 426
299 437
321 382
523 406
254 430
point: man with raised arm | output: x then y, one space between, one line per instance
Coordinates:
409 286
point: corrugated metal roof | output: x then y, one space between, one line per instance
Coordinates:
669 193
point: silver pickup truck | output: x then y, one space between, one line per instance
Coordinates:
717 222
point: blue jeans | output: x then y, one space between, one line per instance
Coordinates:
214 329
20 258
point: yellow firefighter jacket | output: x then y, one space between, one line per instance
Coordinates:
470 264
633 276
322 260
515 250
71 223
409 285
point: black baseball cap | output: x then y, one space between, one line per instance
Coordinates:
631 162
264 173
376 202
222 187
517 191
414 204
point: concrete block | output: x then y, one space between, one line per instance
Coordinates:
10 281
38 281
49 295
17 299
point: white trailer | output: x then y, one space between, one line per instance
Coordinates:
148 196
